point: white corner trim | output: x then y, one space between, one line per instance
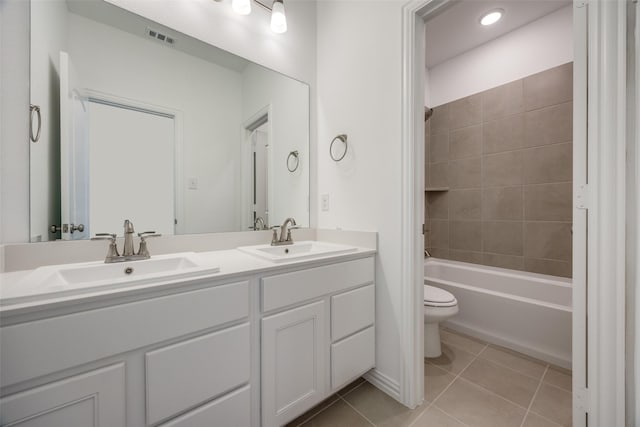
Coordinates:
412 194
606 134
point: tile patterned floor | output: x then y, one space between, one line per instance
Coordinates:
472 384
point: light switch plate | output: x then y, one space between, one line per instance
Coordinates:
193 183
325 202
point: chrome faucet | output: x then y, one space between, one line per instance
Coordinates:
128 238
128 253
285 233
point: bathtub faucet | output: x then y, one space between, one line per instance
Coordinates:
427 254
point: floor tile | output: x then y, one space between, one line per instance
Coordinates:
434 417
435 381
314 411
477 407
553 403
452 359
534 420
338 415
559 378
505 382
461 341
381 409
516 361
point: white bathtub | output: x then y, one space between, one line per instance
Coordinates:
527 312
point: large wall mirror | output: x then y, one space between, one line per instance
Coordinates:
142 122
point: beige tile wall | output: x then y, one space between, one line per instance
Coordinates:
505 156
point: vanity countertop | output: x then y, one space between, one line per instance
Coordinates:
232 263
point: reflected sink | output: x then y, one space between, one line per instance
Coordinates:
63 280
296 251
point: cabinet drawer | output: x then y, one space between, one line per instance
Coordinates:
33 349
95 398
352 357
188 373
352 311
291 288
231 410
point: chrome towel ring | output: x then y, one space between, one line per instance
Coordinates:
295 155
36 109
342 138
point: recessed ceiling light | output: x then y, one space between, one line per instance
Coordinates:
491 17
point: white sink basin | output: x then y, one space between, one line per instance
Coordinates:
296 251
63 280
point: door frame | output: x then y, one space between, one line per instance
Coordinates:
263 115
178 139
600 39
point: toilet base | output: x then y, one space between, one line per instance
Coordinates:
432 347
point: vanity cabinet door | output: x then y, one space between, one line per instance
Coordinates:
93 399
293 363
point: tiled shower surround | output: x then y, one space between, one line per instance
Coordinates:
499 175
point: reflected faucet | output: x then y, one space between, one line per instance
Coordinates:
261 221
285 233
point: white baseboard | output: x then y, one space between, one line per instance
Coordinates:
508 343
383 383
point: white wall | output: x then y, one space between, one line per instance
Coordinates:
289 132
538 46
14 102
50 17
359 93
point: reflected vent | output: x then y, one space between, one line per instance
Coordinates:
160 37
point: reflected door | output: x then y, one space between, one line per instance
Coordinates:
74 154
260 158
131 176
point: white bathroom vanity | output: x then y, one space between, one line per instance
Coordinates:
241 341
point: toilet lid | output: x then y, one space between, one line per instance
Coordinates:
436 297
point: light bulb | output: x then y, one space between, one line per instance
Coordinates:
241 7
492 17
278 18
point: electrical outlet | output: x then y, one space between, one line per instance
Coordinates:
193 183
325 202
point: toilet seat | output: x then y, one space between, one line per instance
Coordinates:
436 297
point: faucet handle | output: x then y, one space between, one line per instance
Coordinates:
143 250
105 236
113 248
148 234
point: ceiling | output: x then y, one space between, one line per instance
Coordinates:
114 16
456 28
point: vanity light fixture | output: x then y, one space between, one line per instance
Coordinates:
278 16
241 7
491 17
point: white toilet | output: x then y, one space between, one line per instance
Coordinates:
439 305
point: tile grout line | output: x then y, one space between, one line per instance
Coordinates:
432 403
492 361
338 397
535 394
357 412
545 418
306 420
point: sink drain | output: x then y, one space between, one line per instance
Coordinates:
128 270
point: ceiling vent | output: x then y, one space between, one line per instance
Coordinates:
160 37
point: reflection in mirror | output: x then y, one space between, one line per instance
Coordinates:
142 122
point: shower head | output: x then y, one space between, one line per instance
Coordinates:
428 112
